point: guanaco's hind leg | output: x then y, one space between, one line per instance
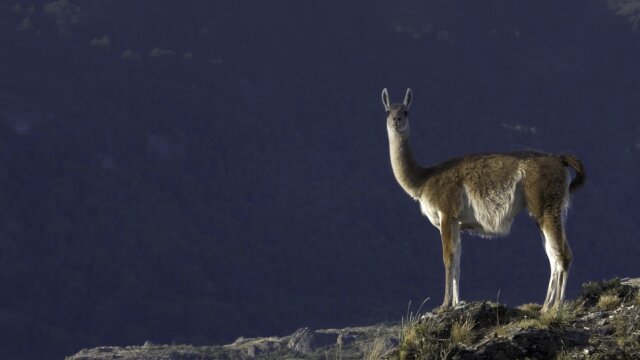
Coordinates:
559 253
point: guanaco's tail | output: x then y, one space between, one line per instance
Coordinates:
576 165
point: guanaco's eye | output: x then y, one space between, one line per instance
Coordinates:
406 113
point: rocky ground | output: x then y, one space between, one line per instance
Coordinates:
602 323
348 343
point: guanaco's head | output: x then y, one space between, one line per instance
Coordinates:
397 114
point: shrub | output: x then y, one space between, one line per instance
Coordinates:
609 301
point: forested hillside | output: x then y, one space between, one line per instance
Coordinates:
195 171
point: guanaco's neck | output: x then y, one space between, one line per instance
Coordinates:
409 174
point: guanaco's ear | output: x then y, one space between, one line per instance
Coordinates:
385 99
407 99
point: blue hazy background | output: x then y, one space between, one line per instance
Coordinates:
195 171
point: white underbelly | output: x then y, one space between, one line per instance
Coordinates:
494 215
485 217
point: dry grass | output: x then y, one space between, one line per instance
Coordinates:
377 349
563 355
530 308
502 330
506 329
410 337
534 319
418 338
548 318
609 301
528 324
555 317
420 344
626 327
462 332
408 324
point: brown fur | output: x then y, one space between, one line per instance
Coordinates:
483 193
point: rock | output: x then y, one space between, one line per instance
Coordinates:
482 314
301 341
263 347
594 315
346 340
305 341
588 350
528 343
498 333
543 343
634 282
592 291
494 350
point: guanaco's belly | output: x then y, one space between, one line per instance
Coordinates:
479 216
491 217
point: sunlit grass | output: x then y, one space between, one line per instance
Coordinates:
462 332
377 349
563 355
609 301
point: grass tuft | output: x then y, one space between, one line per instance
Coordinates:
421 343
553 318
377 349
462 332
593 291
563 355
528 323
410 332
408 324
530 308
609 301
